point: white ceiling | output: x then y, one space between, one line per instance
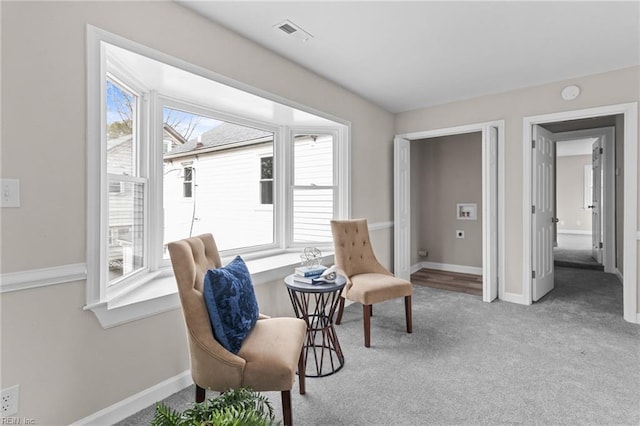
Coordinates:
408 55
181 85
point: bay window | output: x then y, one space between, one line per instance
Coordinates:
167 162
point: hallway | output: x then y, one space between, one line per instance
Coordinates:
574 251
588 292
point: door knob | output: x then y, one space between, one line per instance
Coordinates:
555 220
591 207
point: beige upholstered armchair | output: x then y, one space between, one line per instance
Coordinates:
368 282
268 356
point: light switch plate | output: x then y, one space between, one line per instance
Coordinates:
9 193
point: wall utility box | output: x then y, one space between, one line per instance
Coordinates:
467 211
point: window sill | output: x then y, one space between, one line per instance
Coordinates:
160 294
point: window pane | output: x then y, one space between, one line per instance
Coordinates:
312 213
187 186
266 168
121 122
226 181
126 229
266 180
313 204
313 160
266 192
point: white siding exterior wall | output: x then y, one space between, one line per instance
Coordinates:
225 201
314 189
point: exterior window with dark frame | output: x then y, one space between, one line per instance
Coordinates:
187 182
266 180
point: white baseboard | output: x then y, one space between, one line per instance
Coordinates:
513 298
462 269
416 267
127 407
619 275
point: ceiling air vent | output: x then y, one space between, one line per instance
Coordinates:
287 28
291 29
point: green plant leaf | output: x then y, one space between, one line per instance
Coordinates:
236 407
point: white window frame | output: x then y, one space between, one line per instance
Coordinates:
337 186
135 299
278 142
140 176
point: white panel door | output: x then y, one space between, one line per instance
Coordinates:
596 204
543 210
402 209
490 215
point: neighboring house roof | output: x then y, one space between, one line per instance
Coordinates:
224 134
113 143
173 134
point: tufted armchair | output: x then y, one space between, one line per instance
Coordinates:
368 282
268 356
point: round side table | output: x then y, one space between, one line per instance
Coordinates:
316 304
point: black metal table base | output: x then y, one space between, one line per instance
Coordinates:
316 305
322 349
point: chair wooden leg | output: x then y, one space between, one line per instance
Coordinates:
366 316
200 394
302 368
286 407
407 313
340 309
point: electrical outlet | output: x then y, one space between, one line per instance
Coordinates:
9 193
9 400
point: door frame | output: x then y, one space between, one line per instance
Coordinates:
493 222
630 207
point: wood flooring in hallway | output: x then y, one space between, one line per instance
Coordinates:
452 281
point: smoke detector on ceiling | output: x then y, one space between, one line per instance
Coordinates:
290 29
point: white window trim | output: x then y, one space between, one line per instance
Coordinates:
166 101
130 303
341 177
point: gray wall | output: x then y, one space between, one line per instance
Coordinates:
66 364
448 171
609 88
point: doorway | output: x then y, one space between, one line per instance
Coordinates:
627 199
586 194
492 202
446 214
574 204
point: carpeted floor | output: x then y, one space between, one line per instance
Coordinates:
569 359
575 258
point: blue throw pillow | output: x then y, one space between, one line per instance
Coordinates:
231 302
